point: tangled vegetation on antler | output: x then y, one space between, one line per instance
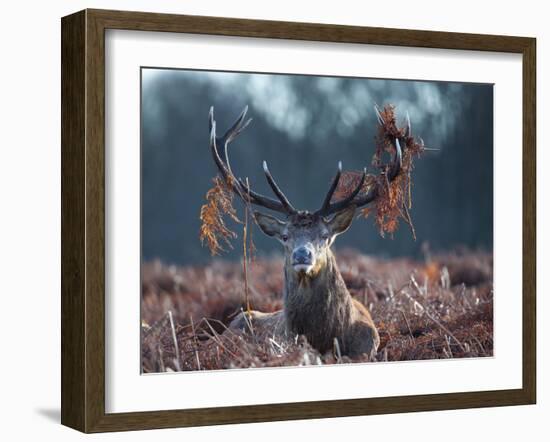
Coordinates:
214 230
394 198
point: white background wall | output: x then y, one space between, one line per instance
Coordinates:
30 216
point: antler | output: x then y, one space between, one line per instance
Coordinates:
391 171
236 184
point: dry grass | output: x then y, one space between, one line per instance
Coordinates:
441 308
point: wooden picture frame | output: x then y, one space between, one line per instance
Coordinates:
83 219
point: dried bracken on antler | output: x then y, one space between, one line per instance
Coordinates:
393 199
219 203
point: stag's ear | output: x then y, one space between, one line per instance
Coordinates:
341 221
270 225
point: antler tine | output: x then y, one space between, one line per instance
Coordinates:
277 191
219 163
332 189
408 130
397 161
378 115
238 126
333 186
237 185
259 199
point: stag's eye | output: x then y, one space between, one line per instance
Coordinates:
284 238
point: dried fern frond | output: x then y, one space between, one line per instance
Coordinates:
219 203
394 199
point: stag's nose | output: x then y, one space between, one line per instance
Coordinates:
302 255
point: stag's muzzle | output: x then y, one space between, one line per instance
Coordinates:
302 259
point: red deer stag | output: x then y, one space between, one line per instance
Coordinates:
317 303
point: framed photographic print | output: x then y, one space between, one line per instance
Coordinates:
269 220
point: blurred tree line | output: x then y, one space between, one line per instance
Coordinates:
302 126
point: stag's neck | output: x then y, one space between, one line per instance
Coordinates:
318 307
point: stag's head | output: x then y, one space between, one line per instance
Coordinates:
305 236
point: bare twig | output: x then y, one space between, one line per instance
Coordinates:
407 322
445 278
176 348
248 320
276 344
390 290
447 342
417 287
337 351
245 259
216 338
195 342
479 344
445 329
162 368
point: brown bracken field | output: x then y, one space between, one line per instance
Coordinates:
435 308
